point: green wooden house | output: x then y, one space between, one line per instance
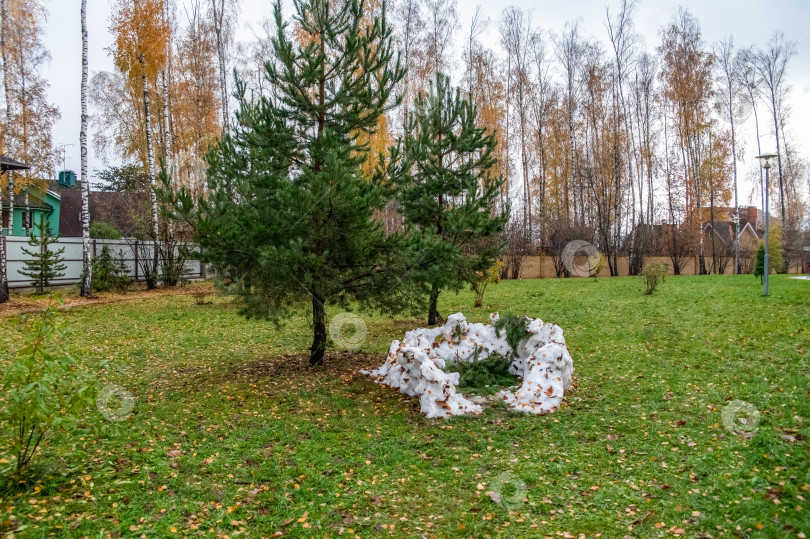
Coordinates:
44 201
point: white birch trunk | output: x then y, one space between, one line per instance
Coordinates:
9 121
87 263
10 217
167 134
167 152
219 21
9 114
150 165
26 216
3 266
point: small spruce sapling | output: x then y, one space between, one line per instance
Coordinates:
45 264
759 270
109 272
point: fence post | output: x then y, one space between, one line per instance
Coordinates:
136 260
94 248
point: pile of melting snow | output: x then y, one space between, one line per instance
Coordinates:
416 365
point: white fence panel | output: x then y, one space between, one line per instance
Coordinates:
133 259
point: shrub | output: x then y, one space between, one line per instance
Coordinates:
596 264
776 259
100 230
44 389
491 276
653 274
109 272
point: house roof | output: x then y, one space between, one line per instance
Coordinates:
7 163
36 198
116 208
722 229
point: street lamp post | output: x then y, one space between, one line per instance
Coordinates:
766 161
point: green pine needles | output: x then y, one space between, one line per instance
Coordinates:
45 264
288 215
515 328
448 191
484 376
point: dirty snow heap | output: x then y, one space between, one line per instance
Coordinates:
416 364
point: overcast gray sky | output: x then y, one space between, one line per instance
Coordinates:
751 22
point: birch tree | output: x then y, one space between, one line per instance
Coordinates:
442 21
541 100
771 65
516 38
750 86
140 52
29 117
223 15
195 98
729 90
568 47
9 121
87 262
624 42
3 143
410 38
686 75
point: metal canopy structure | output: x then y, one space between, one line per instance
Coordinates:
6 163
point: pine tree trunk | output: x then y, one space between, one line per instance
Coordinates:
151 279
318 347
434 300
85 183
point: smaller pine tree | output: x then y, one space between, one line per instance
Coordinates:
448 189
45 264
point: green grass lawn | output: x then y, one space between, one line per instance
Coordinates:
233 435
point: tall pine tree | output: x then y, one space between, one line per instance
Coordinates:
448 189
289 213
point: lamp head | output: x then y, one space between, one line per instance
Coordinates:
767 160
